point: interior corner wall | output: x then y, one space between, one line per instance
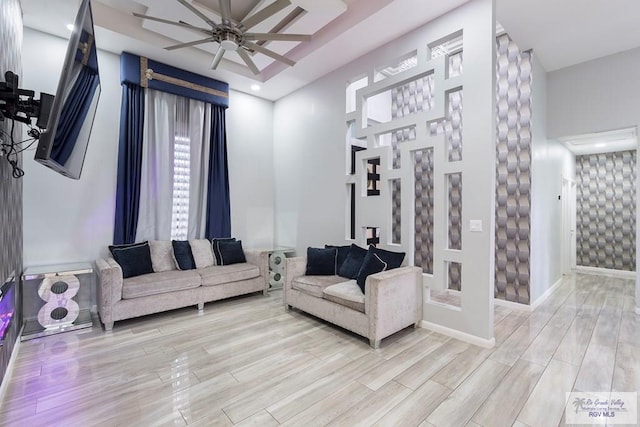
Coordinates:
551 162
596 96
11 35
251 180
70 221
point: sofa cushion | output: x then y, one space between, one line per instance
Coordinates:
392 259
314 285
353 262
347 294
372 264
182 255
343 252
202 253
162 255
134 259
159 283
231 253
216 248
219 274
321 262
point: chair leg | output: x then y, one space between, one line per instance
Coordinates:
374 343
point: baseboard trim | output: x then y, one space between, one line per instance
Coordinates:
9 372
606 272
459 335
513 305
542 298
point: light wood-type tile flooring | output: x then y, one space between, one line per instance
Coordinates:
247 361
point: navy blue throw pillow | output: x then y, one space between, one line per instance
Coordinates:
321 262
392 259
372 264
134 259
231 252
182 254
353 263
343 251
216 249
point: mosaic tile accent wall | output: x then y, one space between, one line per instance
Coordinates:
10 188
408 99
423 218
606 210
513 172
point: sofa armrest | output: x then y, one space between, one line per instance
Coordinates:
109 287
261 259
294 267
393 300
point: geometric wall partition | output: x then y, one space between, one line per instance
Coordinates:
606 210
434 162
513 171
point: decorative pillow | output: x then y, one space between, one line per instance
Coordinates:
134 259
202 252
343 251
231 252
372 264
182 255
161 255
392 259
216 251
321 262
353 262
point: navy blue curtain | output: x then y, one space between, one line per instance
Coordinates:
73 113
218 200
129 164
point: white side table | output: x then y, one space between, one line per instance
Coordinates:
57 285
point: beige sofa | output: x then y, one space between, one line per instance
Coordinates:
392 299
120 299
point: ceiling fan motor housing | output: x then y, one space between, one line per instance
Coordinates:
230 40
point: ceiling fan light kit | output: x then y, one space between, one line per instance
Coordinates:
232 36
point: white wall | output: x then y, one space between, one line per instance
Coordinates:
596 96
551 162
69 221
250 151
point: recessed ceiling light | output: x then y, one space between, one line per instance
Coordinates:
70 27
255 87
600 145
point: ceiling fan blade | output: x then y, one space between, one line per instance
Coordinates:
193 43
278 37
269 53
265 13
247 60
225 10
166 21
198 29
192 8
217 58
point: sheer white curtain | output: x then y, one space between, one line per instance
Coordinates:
169 118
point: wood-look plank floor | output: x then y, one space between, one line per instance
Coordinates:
247 361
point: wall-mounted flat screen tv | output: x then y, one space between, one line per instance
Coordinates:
63 146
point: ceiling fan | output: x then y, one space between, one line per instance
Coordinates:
233 36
